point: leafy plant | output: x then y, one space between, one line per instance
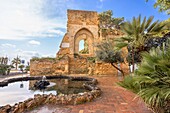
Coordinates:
163 5
152 79
21 67
137 32
27 68
91 59
107 22
16 61
106 53
5 69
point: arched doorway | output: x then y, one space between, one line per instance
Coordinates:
83 43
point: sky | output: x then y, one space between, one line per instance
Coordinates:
30 28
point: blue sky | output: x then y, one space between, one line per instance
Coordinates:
36 27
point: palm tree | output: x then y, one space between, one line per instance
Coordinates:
152 80
137 33
16 61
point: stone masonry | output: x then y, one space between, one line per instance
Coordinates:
81 25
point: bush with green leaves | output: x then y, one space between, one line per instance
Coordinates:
21 67
152 80
137 32
5 69
106 53
27 68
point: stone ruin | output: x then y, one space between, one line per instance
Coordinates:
81 26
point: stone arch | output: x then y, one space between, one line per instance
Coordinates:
84 34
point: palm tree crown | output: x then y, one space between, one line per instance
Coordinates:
137 32
16 61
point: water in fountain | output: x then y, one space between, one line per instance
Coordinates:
42 84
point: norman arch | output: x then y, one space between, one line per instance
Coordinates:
87 36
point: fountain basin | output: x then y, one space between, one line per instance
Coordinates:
89 84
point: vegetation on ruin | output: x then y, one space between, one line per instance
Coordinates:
107 22
43 59
91 59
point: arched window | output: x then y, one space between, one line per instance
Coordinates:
83 42
83 47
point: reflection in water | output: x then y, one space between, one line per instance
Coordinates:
20 91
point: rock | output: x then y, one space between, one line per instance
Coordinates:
5 109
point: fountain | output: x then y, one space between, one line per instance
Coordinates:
59 89
41 84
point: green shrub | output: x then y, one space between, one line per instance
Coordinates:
152 80
21 67
27 68
5 69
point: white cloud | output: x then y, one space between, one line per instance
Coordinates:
49 55
34 42
59 32
23 19
8 45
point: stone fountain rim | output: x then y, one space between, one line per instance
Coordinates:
71 99
5 82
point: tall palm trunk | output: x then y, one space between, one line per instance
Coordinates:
16 66
133 58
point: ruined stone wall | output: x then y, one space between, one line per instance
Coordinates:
80 16
78 66
41 67
48 67
79 20
80 25
104 69
61 66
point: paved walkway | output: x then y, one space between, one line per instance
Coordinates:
114 99
13 75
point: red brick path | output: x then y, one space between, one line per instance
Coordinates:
114 99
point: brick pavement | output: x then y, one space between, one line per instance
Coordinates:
114 99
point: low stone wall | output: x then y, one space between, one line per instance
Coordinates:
104 69
71 99
77 65
49 67
41 67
